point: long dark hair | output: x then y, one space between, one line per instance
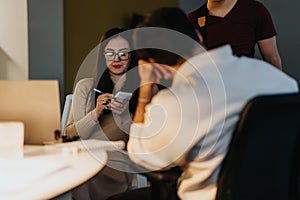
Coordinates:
103 80
171 18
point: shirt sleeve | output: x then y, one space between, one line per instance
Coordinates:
264 24
167 134
81 121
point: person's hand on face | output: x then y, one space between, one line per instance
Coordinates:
103 102
151 72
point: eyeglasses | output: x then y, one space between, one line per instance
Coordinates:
111 55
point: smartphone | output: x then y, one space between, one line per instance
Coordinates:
123 95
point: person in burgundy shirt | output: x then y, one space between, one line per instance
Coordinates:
240 23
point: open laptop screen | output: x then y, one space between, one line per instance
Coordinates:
34 102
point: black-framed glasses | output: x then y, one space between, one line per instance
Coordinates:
111 55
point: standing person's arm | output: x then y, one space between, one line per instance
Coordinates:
269 52
265 34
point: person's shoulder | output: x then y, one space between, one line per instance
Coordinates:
251 4
85 84
201 11
256 3
85 81
258 6
262 67
164 98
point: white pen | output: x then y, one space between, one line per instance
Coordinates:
98 91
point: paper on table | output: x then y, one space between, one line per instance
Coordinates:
86 145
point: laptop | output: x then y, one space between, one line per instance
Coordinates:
34 102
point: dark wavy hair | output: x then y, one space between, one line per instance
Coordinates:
169 18
103 80
101 67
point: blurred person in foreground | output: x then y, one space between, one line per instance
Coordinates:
191 123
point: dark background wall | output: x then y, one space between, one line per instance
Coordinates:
86 21
285 16
45 40
63 32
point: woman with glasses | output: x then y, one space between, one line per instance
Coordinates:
97 114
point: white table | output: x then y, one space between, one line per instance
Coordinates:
43 173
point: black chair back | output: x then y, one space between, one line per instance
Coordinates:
264 155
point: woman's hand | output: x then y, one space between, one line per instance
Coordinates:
118 105
103 102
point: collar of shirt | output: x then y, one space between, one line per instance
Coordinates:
202 63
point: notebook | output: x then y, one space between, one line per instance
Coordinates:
34 102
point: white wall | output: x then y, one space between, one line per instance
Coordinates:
13 40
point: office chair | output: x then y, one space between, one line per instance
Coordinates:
64 119
141 181
66 111
263 161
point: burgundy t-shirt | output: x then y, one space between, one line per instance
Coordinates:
248 22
